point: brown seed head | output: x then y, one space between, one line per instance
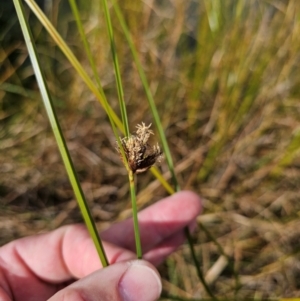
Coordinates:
139 153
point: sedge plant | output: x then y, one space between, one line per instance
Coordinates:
234 80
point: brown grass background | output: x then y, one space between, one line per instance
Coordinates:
225 76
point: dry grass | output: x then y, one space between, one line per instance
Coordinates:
226 83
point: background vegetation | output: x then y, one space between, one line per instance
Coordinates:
225 76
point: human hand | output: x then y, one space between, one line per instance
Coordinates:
41 266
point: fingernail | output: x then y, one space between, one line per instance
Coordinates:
140 282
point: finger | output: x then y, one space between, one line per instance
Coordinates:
158 222
65 253
136 280
158 254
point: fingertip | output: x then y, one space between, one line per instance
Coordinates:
192 200
187 201
141 281
133 280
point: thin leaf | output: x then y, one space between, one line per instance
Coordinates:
58 134
116 68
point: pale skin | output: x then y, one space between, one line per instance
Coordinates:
63 265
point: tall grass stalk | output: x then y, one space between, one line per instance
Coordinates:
123 110
86 45
116 68
197 264
58 133
229 260
162 136
138 245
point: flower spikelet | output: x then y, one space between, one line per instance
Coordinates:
139 153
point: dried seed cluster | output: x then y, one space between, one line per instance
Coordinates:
139 153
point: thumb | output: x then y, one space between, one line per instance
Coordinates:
125 281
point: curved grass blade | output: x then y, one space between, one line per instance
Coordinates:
116 68
58 134
87 48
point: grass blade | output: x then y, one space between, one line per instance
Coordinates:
116 68
87 48
58 134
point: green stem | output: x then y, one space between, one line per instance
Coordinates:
160 130
116 68
58 133
197 264
221 250
135 216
